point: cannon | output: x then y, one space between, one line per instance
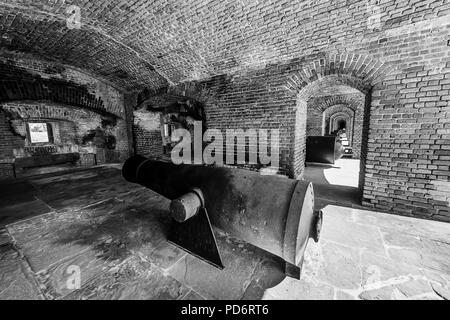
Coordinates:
273 213
323 149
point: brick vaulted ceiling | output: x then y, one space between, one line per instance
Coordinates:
139 44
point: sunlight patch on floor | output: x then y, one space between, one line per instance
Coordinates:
345 172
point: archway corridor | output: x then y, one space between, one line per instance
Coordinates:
336 110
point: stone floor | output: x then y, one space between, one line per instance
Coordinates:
337 183
345 172
371 255
113 234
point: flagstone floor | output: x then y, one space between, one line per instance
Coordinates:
113 234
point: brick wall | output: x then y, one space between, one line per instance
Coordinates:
67 132
408 160
405 162
8 140
148 143
147 133
6 170
70 127
73 101
255 101
130 103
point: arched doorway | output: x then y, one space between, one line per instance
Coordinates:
331 109
339 123
330 76
338 182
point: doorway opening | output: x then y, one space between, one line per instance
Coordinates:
342 125
337 111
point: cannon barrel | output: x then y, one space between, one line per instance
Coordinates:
271 212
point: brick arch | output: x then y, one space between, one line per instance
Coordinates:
189 90
355 70
340 116
333 111
358 71
59 93
196 91
45 110
351 101
20 81
198 99
334 118
305 91
354 102
339 108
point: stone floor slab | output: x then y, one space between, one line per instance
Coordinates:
192 295
243 264
22 211
339 230
378 269
58 282
134 279
57 222
334 264
292 289
16 282
414 257
166 255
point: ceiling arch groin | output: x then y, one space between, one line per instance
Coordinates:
154 44
43 30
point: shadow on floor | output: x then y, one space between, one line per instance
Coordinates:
335 184
18 201
122 230
31 196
